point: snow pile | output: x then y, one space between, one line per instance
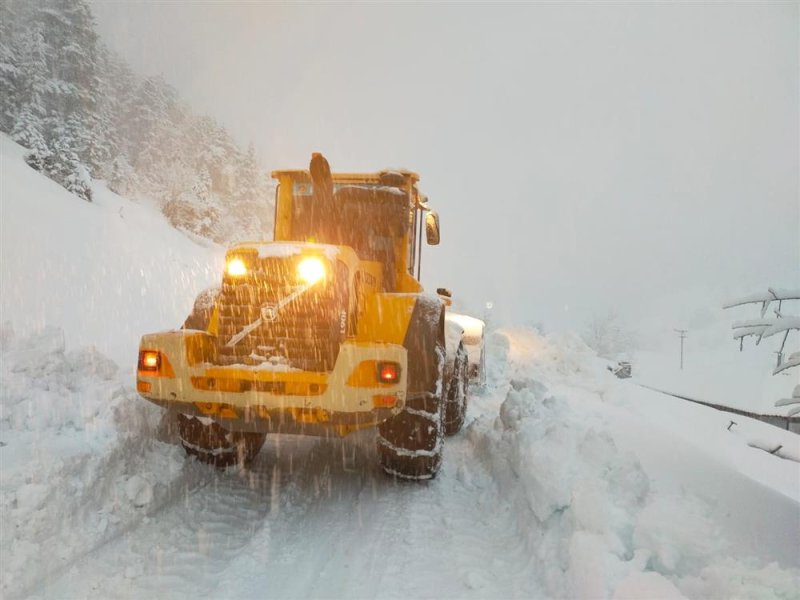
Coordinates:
46 388
574 494
79 459
605 513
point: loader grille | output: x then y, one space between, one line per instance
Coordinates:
304 334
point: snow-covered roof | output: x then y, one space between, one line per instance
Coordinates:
287 249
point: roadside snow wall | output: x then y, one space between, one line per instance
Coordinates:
78 458
594 523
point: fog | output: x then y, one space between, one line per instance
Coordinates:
581 157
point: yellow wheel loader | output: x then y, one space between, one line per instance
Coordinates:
324 331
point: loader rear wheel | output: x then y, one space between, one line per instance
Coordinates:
455 407
410 443
214 445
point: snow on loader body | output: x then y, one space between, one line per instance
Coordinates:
324 331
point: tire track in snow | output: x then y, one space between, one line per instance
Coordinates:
374 537
316 518
210 516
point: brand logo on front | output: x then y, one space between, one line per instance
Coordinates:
269 313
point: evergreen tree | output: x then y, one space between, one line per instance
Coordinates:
158 138
72 56
118 86
28 128
32 86
9 66
28 132
201 186
248 179
80 109
102 147
121 177
66 167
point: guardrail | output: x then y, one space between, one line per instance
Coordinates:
788 423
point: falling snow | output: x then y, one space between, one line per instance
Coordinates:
565 482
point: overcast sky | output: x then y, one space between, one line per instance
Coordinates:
581 156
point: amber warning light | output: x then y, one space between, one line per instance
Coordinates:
149 360
388 372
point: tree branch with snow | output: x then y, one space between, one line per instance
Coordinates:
769 327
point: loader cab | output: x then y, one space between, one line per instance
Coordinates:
381 216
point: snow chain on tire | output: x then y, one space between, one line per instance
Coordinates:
455 407
410 443
213 444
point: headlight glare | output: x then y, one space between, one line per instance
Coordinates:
310 270
236 267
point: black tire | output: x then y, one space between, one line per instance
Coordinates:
455 406
214 445
410 443
203 308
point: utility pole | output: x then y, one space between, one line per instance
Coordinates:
683 333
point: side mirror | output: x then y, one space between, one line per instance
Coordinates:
432 228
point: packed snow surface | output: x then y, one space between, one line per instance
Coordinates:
565 482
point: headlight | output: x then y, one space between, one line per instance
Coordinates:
310 270
236 267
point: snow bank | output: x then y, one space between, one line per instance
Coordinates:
79 458
573 493
603 509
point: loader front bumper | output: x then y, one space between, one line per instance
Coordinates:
177 372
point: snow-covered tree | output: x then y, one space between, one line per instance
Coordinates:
40 157
28 128
121 176
72 57
32 85
65 165
781 325
81 110
9 66
117 103
249 187
764 327
104 145
608 337
151 125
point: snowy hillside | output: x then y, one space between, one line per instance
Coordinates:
566 482
83 113
104 271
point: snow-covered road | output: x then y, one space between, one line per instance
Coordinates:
565 482
314 518
552 490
